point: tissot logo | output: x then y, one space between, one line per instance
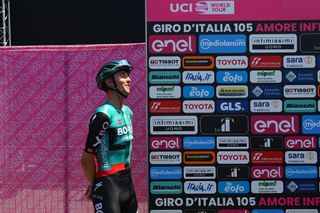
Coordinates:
266 172
164 106
165 143
273 43
299 91
224 125
168 44
165 158
233 172
267 157
265 62
266 142
270 124
164 62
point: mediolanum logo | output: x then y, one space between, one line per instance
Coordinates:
311 124
270 124
224 43
168 44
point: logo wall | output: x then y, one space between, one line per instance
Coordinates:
233 110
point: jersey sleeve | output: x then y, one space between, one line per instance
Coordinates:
99 123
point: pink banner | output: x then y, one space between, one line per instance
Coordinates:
47 97
231 10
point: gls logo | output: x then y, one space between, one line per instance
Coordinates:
172 44
232 106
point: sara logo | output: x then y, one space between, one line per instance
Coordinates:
233 157
273 43
301 157
164 77
300 142
165 172
232 77
232 91
164 62
233 187
301 172
311 124
205 106
164 106
267 157
299 61
204 7
265 61
165 143
198 77
168 44
265 106
224 43
198 142
270 124
199 172
232 62
198 92
266 172
200 187
232 106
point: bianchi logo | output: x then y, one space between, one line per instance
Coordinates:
257 91
292 186
291 76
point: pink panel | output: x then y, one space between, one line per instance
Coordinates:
244 10
47 95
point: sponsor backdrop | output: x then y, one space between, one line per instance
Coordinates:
47 96
233 106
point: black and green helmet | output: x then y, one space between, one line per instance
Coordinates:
111 68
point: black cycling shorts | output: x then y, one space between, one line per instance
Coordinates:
114 194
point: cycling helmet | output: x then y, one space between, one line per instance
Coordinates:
111 68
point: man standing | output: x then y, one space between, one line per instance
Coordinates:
106 157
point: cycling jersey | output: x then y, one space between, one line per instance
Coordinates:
110 138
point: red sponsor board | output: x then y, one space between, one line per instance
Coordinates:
270 124
300 142
164 106
267 172
167 44
267 157
165 143
265 62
